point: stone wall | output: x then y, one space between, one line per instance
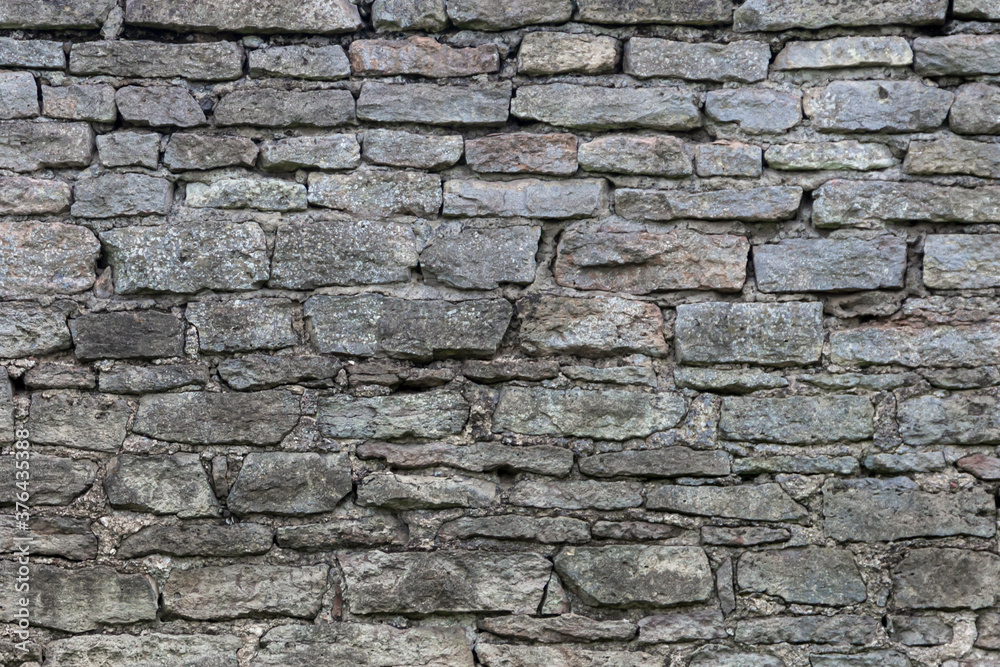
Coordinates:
564 333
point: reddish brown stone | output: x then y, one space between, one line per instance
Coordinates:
980 465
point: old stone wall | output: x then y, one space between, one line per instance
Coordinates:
521 333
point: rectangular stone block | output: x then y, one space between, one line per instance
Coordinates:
599 108
336 151
391 15
665 462
523 153
845 52
947 579
433 414
270 107
20 195
627 154
487 15
576 494
757 15
20 95
770 334
957 55
953 155
252 16
755 110
204 418
124 379
976 9
877 106
115 195
839 629
779 202
504 655
90 102
95 422
839 155
915 346
421 56
470 257
46 257
33 53
619 256
31 14
55 480
752 502
529 198
290 483
316 63
159 106
189 650
424 492
830 265
161 484
196 151
430 104
478 457
699 12
378 192
728 159
546 53
206 61
27 329
970 114
859 203
262 194
799 420
138 334
129 149
811 575
244 325
266 371
963 418
370 324
396 148
962 261
742 61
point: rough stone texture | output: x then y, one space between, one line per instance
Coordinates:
845 52
728 159
772 15
377 193
946 579
528 198
20 195
486 15
597 108
666 462
545 53
195 151
467 257
838 203
410 492
427 415
246 193
421 56
624 154
744 62
319 16
26 146
852 155
35 53
957 261
290 483
877 106
965 418
551 154
755 110
479 457
80 102
814 575
830 265
199 540
799 420
175 484
409 15
764 502
841 629
84 421
260 418
700 12
958 54
212 61
485 104
155 648
755 205
337 151
113 195
127 335
317 63
396 148
913 346
277 108
970 114
129 149
20 94
46 258
243 325
159 106
576 495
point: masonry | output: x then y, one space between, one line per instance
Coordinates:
576 333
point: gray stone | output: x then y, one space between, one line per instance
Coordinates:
478 457
902 463
913 346
780 202
190 650
219 541
92 102
771 334
240 591
523 153
892 509
20 93
576 494
599 108
496 655
518 527
812 575
115 195
83 421
558 629
641 375
698 12
529 197
20 14
263 371
800 465
682 626
243 325
839 203
392 15
980 465
946 579
378 192
755 110
976 9
741 61
666 462
203 418
753 502
953 155
971 113
271 107
336 151
921 630
27 146
609 414
728 159
33 53
877 106
443 581
45 257
27 329
135 334
64 537
758 15
638 531
174 484
590 327
713 655
396 148
188 257
851 155
988 630
962 55
963 418
7 410
432 414
430 104
371 324
148 379
746 536
347 529
486 15
727 381
869 659
252 16
290 483
54 480
31 196
626 154
256 193
546 53
469 257
839 629
317 63
797 420
198 151
830 265
636 576
209 61
129 149
423 492
159 106
422 56
845 52
56 375
503 370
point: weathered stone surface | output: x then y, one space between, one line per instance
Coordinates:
682 626
590 326
264 372
78 14
433 414
243 325
127 335
190 650
920 630
523 153
422 56
469 257
713 655
755 110
271 107
159 106
610 414
145 379
963 418
576 494
129 149
92 102
741 61
558 629
82 421
855 203
744 536
941 346
479 457
318 63
545 53
797 420
20 95
801 465
980 465
813 575
114 195
518 527
851 155
724 158
370 324
486 15
727 381
529 197
845 52
780 202
174 484
27 146
81 600
953 155
443 581
217 256
221 541
377 192
869 659
336 151
496 655
394 15
946 579
758 502
239 591
812 14
65 537
413 492
396 148
988 630
626 154
699 12
210 61
351 528
502 370
771 334
483 104
620 256
599 108
260 194
970 114
840 629
290 483
636 576
33 53
45 257
666 462
20 195
877 106
959 261
27 329
903 463
202 418
197 151
54 480
893 509
976 9
830 265
343 644
962 55
253 16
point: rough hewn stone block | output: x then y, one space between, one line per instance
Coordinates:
545 53
813 14
942 346
976 9
797 420
209 61
190 650
350 528
833 155
576 494
225 541
599 108
971 112
840 629
529 198
962 55
266 371
91 102
523 153
479 457
409 15
744 62
257 193
469 257
423 492
27 146
129 149
45 257
27 329
20 14
558 629
33 53
953 155
204 418
127 335
946 579
433 414
483 104
421 56
317 63
377 192
159 106
699 12
396 148
243 325
487 15
960 261
665 462
725 158
20 195
830 265
95 422
755 110
813 575
756 502
877 106
174 484
337 151
123 379
860 203
963 418
55 480
253 16
845 52
626 154
115 195
199 151
759 204
290 483
271 107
